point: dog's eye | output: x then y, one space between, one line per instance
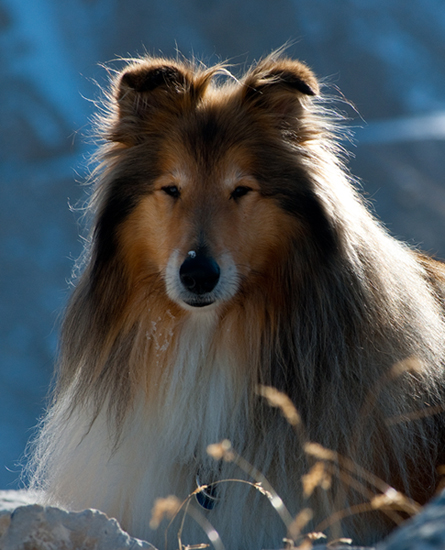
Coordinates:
239 192
171 190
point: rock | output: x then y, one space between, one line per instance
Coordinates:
426 531
25 526
36 527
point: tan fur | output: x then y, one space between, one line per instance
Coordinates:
314 298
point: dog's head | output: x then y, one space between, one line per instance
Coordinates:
207 191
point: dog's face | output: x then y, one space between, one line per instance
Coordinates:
209 192
206 228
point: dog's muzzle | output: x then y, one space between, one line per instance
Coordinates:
200 280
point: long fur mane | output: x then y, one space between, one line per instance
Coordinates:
347 321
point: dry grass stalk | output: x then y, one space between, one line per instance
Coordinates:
349 480
305 545
406 504
170 507
224 451
281 401
221 451
388 502
411 364
164 508
415 415
394 500
318 451
336 517
337 542
318 476
299 523
316 536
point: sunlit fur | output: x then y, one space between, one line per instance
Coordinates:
314 298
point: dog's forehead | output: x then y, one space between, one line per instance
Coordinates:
207 131
195 177
206 141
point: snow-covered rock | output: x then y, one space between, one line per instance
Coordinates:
426 531
25 526
37 527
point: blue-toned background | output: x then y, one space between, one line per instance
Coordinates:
386 57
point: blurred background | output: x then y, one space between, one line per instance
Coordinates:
388 58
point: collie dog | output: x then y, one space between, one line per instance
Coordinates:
230 251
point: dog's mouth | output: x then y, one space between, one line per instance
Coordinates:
199 302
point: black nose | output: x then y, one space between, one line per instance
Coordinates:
199 273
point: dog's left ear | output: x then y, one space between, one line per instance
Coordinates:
151 91
144 90
280 86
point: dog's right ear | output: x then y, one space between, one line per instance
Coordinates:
146 91
279 86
